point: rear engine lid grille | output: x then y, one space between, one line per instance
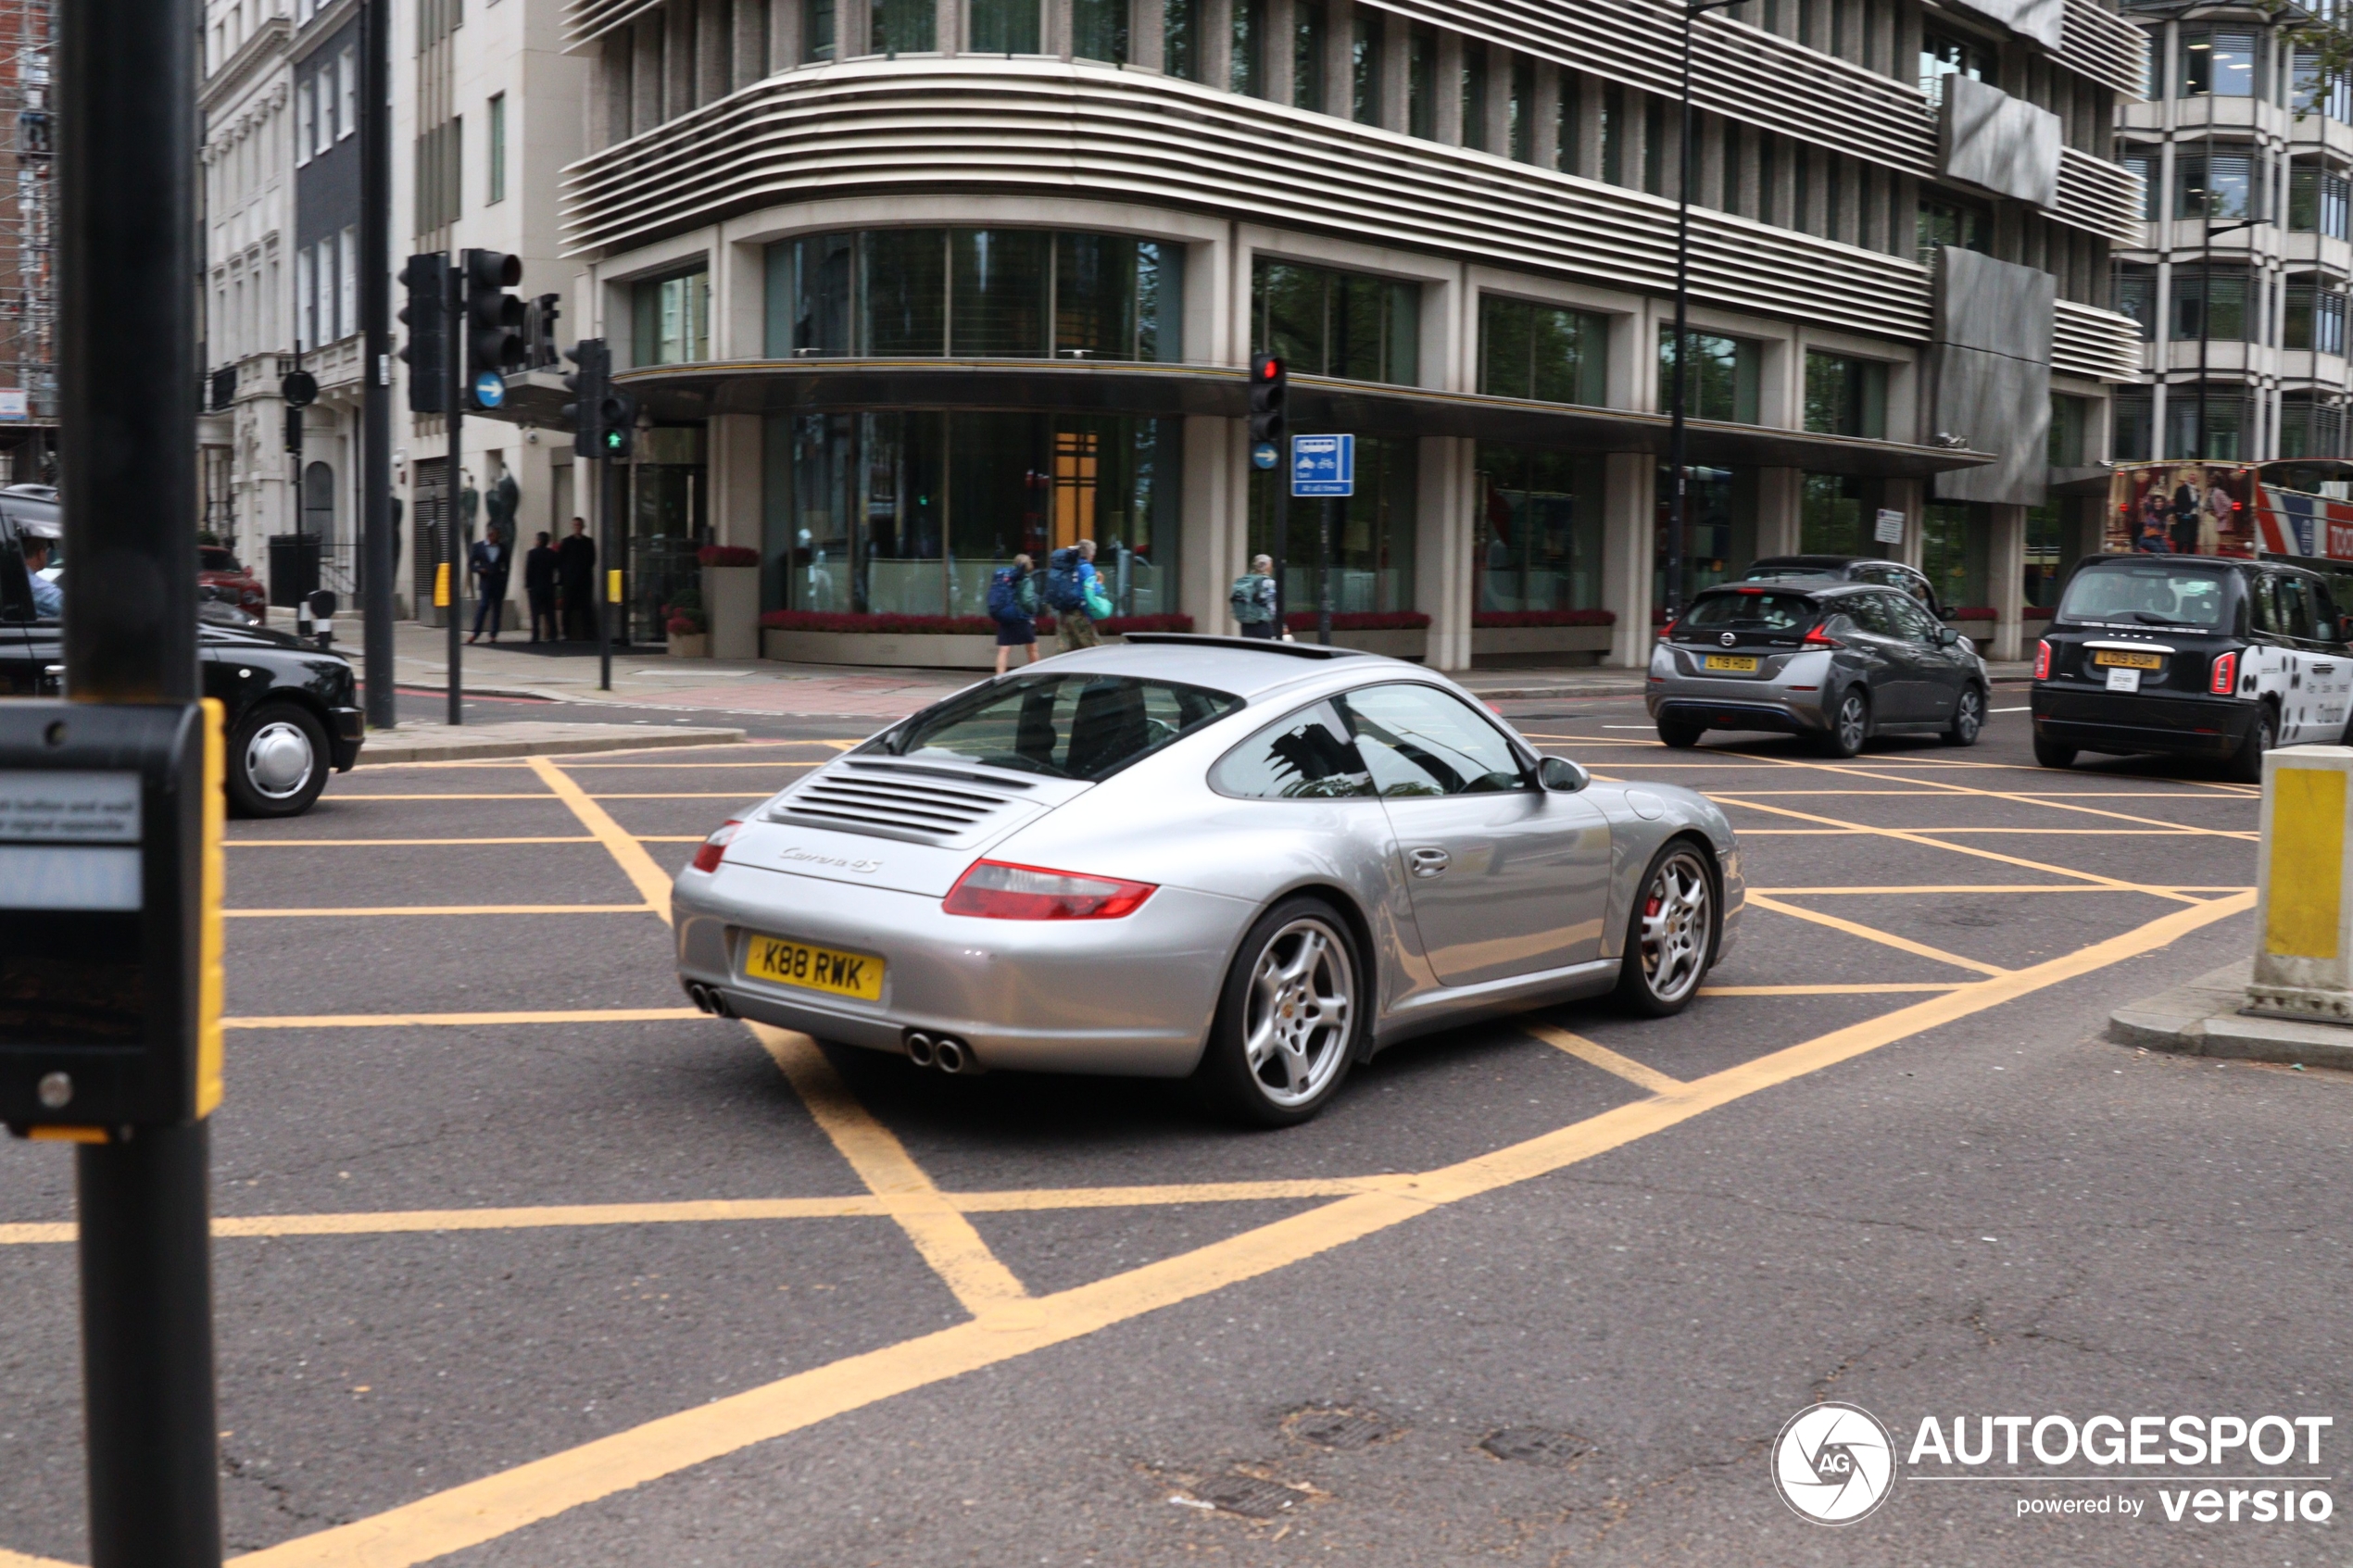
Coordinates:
910 801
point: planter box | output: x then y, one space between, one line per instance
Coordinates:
905 650
731 603
690 644
1526 647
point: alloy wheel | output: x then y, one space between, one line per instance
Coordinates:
279 760
1969 716
1852 719
1299 1016
1676 926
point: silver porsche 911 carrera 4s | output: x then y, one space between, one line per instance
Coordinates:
1256 861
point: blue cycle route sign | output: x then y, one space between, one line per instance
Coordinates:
1322 465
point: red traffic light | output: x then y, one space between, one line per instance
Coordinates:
1270 367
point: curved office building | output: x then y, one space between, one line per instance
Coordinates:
907 286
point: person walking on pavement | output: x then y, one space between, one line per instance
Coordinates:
1070 584
539 588
488 564
576 575
1253 599
1012 605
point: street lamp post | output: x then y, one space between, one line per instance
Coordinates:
2205 311
1678 437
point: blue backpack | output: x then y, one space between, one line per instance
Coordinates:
1062 590
1004 594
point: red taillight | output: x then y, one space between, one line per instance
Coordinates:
1667 633
1818 638
707 853
996 890
2226 674
2041 660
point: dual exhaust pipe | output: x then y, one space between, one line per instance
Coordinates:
944 1051
710 999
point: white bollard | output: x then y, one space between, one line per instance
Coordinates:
2303 920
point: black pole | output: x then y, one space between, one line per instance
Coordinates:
609 503
1324 574
2205 326
1282 553
126 175
375 394
454 375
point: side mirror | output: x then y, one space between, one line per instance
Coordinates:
1561 775
1946 636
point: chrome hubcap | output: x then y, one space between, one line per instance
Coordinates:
1968 720
1302 995
278 759
1675 927
1850 723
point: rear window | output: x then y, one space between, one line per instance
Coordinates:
2148 592
1767 612
213 559
1074 726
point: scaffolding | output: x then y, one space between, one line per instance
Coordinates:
28 242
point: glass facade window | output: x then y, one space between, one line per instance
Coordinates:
2221 61
1612 129
666 510
1308 55
2136 296
2217 184
982 293
2048 554
2314 318
1004 27
1326 322
2229 319
1568 124
2318 201
1952 549
1099 30
2315 93
1721 382
2225 410
817 31
1845 396
1247 60
2071 424
671 320
909 512
1421 81
1364 67
2310 429
1942 55
904 27
1520 110
1837 515
1372 534
1719 527
2133 426
1537 536
1947 221
2144 162
1548 353
1474 94
1180 38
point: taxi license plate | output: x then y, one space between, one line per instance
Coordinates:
1742 662
813 969
2127 659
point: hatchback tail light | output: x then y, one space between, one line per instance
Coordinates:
707 853
1818 638
1667 633
2041 660
2226 674
998 890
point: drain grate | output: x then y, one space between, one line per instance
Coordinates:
1253 1497
1536 1445
1339 1427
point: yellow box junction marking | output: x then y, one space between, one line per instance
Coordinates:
2307 863
1601 1056
1872 934
651 881
441 1020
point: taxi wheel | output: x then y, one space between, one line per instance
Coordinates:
2246 765
1968 718
277 761
1293 1009
2050 754
1682 737
1850 726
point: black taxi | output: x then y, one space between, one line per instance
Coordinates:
2191 656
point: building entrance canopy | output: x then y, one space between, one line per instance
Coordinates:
768 386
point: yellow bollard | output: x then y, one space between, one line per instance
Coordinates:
612 585
441 586
2304 950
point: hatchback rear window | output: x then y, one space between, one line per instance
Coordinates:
1771 612
2149 593
1074 726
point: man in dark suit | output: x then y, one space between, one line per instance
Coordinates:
488 564
540 586
576 573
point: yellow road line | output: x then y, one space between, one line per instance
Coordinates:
1870 934
944 1236
1901 888
2015 797
498 1505
651 881
2052 832
2028 795
689 795
436 1019
387 843
1601 1056
1860 990
450 910
20 1560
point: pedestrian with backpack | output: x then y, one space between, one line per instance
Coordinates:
1070 583
1012 605
1253 599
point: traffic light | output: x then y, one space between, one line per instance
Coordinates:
1269 391
589 385
494 325
427 318
618 420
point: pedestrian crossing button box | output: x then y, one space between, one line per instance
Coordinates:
110 938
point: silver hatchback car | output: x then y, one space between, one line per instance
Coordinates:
1259 862
1836 662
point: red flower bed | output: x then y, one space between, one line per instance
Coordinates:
686 626
1361 621
728 554
1501 617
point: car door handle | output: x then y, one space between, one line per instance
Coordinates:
1429 860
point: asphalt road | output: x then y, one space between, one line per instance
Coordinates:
612 1284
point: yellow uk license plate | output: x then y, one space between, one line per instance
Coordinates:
1743 663
2128 658
814 969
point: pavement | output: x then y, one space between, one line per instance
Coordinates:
522 1262
2203 1018
527 737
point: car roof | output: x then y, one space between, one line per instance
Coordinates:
1247 668
1819 587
